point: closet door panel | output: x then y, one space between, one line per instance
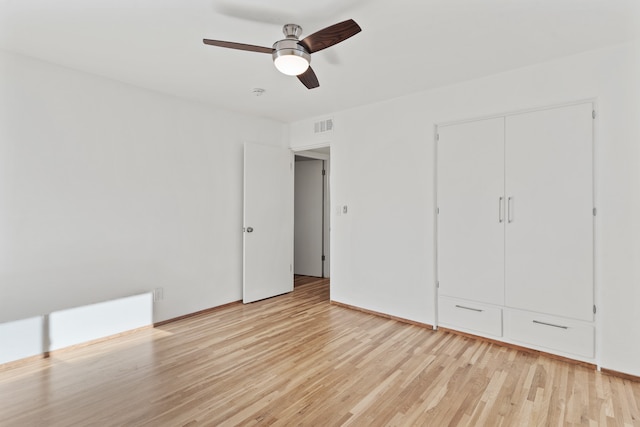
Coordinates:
549 231
470 231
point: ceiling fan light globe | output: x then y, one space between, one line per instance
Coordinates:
290 58
291 65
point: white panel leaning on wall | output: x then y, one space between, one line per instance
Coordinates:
39 335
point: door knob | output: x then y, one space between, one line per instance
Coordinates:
249 229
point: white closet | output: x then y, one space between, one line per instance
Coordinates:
515 229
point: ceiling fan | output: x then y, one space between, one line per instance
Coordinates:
291 55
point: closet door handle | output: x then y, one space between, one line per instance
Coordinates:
500 217
510 209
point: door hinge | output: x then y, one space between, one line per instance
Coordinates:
324 172
438 211
594 309
438 284
593 114
437 137
324 258
595 211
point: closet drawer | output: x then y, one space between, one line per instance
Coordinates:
550 332
469 315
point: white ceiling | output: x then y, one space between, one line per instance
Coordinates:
405 45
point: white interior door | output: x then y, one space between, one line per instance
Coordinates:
549 234
308 217
471 210
268 222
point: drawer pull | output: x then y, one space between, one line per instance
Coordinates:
550 324
469 308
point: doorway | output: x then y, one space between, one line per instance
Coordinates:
311 213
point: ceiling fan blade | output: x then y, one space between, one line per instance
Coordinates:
331 35
239 46
309 79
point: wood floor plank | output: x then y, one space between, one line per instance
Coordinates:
296 359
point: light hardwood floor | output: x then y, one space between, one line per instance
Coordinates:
298 360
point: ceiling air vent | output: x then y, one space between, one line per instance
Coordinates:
323 126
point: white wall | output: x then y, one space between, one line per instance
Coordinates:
383 170
308 233
108 191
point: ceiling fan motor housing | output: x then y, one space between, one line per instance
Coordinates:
292 31
290 57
